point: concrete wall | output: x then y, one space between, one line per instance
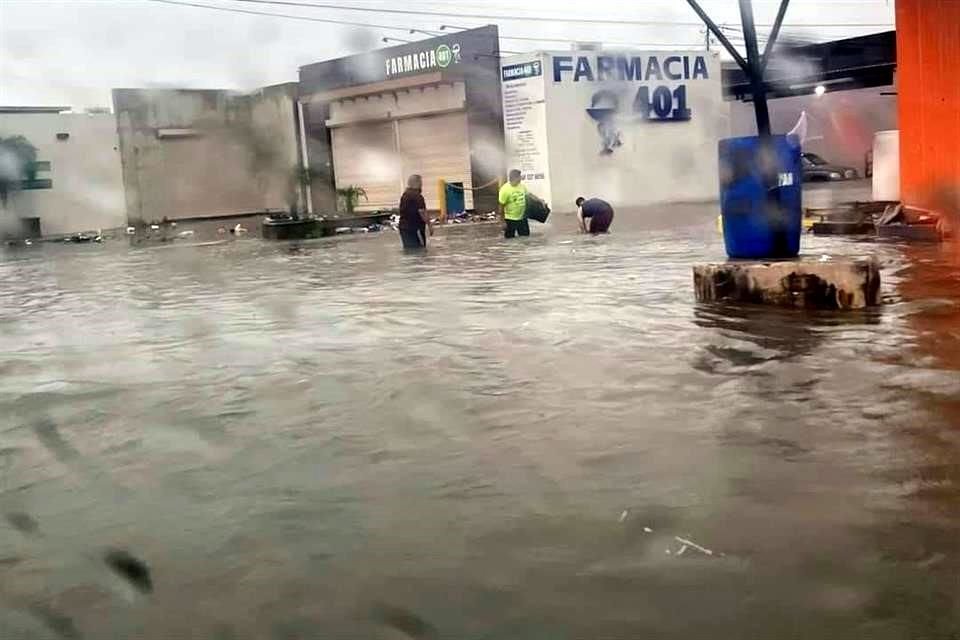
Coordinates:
841 125
87 190
657 161
228 154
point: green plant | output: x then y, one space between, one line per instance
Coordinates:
351 197
18 160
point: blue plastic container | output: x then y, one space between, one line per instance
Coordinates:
761 197
456 205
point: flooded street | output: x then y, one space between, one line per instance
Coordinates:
495 440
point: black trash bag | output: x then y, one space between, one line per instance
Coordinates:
537 209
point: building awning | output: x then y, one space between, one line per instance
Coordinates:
852 63
386 86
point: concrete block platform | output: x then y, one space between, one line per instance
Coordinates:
804 283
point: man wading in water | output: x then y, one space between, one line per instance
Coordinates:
414 220
513 207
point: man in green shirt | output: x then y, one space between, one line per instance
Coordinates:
513 207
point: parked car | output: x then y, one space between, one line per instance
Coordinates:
816 169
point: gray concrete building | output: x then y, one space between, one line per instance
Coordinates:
190 154
77 184
431 107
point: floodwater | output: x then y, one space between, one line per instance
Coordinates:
494 440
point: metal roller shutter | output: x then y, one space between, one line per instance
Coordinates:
437 147
365 155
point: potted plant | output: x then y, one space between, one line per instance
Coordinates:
350 196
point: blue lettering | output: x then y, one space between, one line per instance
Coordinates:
700 68
686 68
672 75
561 64
629 68
583 70
653 69
605 66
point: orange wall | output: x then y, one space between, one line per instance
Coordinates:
928 88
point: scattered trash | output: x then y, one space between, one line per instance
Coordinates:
824 258
155 227
647 530
566 242
623 516
668 552
28 242
131 231
186 234
688 543
133 570
342 230
683 550
239 230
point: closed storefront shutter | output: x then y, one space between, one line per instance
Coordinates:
437 147
365 155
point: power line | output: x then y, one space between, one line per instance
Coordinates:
476 16
185 3
444 27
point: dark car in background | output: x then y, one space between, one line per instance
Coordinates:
816 169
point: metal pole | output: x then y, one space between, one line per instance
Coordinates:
755 70
774 34
306 190
718 34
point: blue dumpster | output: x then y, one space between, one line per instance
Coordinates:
761 197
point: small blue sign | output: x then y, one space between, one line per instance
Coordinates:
523 70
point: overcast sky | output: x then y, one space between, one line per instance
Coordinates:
71 52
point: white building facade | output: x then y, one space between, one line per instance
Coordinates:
633 128
79 183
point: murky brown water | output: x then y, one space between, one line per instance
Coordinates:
496 440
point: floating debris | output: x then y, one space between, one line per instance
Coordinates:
647 530
623 516
404 621
57 622
131 569
688 543
22 522
49 436
683 550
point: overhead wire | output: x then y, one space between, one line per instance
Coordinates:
187 3
492 16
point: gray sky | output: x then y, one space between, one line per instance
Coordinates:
72 52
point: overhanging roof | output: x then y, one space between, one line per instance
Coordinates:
852 63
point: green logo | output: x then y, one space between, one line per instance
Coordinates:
444 56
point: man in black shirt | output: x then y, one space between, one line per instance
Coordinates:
414 220
597 211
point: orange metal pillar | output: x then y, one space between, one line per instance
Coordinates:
928 89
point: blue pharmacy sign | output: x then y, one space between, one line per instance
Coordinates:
632 88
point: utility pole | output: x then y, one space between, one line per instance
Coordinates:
754 64
757 86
